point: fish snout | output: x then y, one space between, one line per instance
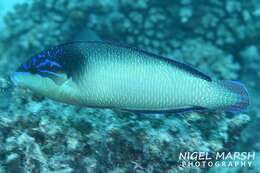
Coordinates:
18 78
14 79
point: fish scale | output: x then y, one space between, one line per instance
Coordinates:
142 81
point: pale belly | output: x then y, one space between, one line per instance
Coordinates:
134 86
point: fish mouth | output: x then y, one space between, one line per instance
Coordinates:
13 79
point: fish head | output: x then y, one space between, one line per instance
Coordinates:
43 73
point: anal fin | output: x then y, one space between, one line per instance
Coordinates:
163 111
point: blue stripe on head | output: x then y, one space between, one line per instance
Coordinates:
41 55
49 62
33 61
49 72
25 66
57 60
45 62
55 51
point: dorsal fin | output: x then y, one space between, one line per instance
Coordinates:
190 70
180 65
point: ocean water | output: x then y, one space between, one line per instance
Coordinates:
218 37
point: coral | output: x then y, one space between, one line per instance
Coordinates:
50 137
138 24
206 56
250 56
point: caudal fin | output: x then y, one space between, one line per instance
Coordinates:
242 100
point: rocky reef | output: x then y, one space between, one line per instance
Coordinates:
219 37
38 135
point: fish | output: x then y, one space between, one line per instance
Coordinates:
102 74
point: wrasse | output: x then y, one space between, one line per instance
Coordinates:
109 75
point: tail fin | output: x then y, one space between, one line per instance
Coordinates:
241 91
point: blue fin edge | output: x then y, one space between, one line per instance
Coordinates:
181 110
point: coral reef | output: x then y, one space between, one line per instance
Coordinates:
206 56
38 135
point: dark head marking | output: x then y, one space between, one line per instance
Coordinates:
64 59
45 61
73 61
